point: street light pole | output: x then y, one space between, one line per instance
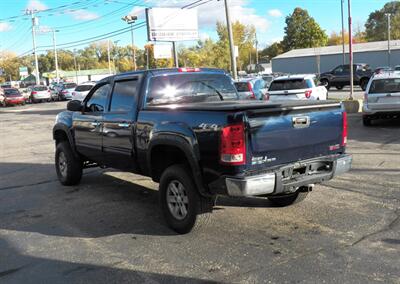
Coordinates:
231 45
343 50
350 52
388 33
55 56
131 20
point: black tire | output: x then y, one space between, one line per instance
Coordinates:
70 173
339 87
325 83
198 208
366 121
286 200
363 84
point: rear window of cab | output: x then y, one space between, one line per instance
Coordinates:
289 84
391 85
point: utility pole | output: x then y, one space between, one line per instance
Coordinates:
34 24
175 54
350 52
231 45
147 57
256 51
76 72
388 33
343 50
131 20
108 56
55 55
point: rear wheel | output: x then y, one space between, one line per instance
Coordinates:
325 83
68 166
184 209
339 87
366 120
286 200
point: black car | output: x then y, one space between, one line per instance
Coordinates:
340 76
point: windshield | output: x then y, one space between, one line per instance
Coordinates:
83 88
11 92
292 84
40 89
242 86
190 88
69 86
385 86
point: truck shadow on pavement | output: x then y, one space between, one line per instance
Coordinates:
18 267
101 205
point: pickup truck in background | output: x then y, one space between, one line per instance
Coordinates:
186 129
340 76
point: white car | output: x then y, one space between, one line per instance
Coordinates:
39 94
296 87
382 97
82 90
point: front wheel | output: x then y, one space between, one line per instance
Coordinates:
286 200
68 166
184 209
363 84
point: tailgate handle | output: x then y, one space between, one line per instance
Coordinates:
301 121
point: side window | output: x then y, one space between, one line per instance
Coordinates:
338 70
123 96
98 100
346 69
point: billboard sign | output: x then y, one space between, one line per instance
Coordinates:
172 24
23 72
162 51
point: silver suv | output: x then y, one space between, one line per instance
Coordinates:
382 97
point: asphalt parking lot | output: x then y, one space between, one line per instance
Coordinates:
110 229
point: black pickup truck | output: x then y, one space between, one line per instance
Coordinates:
340 76
186 129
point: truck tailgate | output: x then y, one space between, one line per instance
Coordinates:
278 138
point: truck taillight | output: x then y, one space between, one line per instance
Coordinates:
365 97
64 92
233 145
344 130
252 95
308 94
34 93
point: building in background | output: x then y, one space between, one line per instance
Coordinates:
322 59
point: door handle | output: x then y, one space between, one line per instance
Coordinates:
124 125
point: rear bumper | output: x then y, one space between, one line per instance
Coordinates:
380 111
285 179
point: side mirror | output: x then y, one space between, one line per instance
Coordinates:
74 105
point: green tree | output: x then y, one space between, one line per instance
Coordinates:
376 25
302 31
271 51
